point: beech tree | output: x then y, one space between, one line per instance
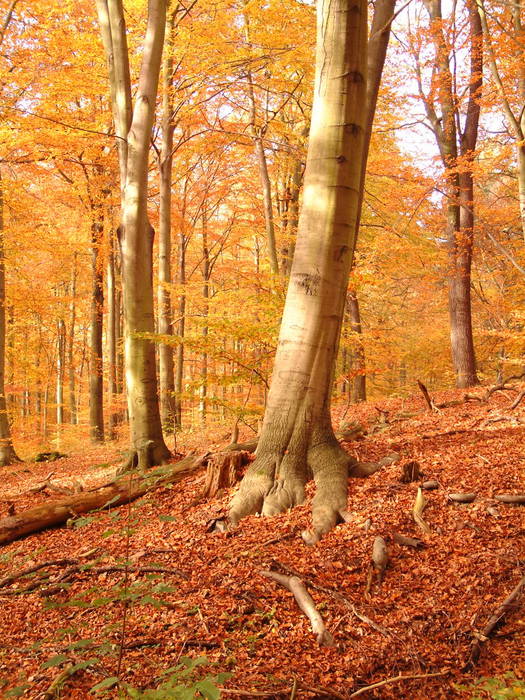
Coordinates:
297 438
133 132
457 143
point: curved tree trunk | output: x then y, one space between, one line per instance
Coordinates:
7 451
297 438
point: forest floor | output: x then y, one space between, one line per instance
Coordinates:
208 598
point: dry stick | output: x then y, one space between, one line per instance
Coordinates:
518 400
366 688
306 603
516 498
494 619
341 598
54 689
417 511
32 569
428 400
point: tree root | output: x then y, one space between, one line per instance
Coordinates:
508 604
306 603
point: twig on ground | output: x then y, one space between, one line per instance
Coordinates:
305 602
379 684
419 507
341 598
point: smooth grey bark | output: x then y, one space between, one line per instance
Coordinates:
7 451
297 439
165 316
460 203
376 54
133 131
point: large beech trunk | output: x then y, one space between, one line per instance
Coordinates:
135 232
297 438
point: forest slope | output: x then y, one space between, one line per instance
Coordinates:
431 603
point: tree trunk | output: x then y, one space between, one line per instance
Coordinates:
7 451
61 362
111 334
181 325
460 193
203 388
165 322
135 231
96 389
297 438
358 364
71 344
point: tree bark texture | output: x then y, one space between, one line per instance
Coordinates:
458 149
135 232
297 438
7 451
165 321
357 358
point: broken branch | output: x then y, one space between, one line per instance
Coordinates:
306 603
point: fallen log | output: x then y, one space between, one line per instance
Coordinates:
123 489
494 620
306 603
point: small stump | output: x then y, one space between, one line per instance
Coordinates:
411 472
224 470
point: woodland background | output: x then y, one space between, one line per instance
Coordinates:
231 92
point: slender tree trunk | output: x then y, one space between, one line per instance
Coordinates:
71 344
460 192
61 361
203 388
135 231
111 333
96 388
297 438
165 322
358 364
258 132
7 451
181 324
292 218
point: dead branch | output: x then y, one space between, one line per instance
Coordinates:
408 541
428 399
462 497
513 498
419 507
508 604
430 485
341 598
306 603
415 676
519 398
